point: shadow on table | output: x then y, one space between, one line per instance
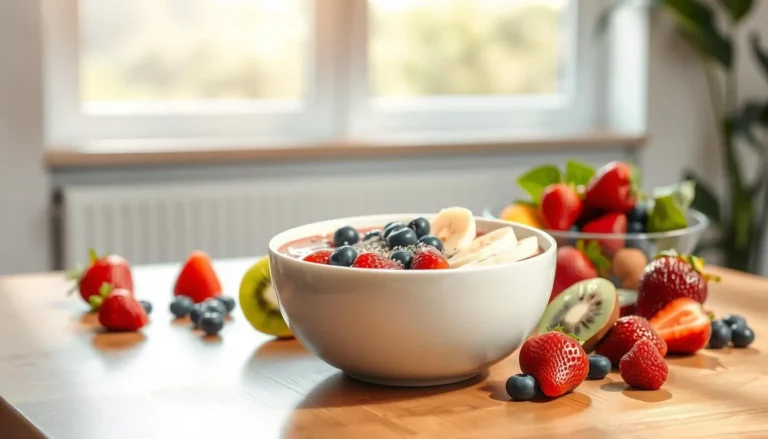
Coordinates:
638 395
106 341
498 392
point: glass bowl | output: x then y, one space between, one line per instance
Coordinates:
621 257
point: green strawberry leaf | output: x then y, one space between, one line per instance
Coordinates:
561 329
667 214
105 289
594 253
95 302
526 203
578 173
537 179
92 256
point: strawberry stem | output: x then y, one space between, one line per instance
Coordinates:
92 256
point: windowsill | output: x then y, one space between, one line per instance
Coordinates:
174 152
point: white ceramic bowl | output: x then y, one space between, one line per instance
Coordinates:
411 328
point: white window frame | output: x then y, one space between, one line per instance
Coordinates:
337 104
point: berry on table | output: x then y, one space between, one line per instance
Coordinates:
147 306
181 306
599 366
557 362
721 335
195 313
402 238
432 241
392 227
521 387
343 256
735 320
403 256
420 226
229 302
319 256
643 367
214 305
626 332
742 337
428 258
345 236
211 322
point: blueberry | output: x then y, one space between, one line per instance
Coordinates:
345 236
147 306
433 241
214 305
211 322
721 335
599 366
402 256
402 238
521 387
343 256
181 306
372 234
420 226
735 321
229 303
195 313
392 227
638 214
742 337
635 227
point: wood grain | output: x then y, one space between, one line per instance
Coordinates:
70 380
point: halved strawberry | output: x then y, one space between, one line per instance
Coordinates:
684 325
197 280
609 223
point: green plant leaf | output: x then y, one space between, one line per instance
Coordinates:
105 289
737 9
666 215
95 302
578 173
594 252
92 256
760 54
751 115
697 21
537 179
705 200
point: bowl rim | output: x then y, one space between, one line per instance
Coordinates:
278 240
702 222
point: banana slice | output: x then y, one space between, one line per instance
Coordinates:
525 248
483 247
455 227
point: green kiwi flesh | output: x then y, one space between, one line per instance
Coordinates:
259 302
587 309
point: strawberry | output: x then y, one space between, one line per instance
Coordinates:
373 260
683 325
120 311
669 277
319 256
575 264
613 188
608 223
560 206
625 333
110 269
556 360
643 367
428 258
197 280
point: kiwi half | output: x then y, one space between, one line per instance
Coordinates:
587 309
259 302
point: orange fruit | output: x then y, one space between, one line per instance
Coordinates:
522 213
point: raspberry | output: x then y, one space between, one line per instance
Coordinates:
428 258
319 256
373 260
643 367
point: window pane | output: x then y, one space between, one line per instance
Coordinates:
466 47
193 50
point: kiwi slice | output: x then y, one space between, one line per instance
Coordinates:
259 301
587 309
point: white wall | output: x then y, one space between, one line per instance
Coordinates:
24 224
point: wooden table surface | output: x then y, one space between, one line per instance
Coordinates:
61 377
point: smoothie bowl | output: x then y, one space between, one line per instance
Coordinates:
470 294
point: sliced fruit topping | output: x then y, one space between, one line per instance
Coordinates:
525 248
643 367
181 306
376 261
611 223
521 387
455 227
428 258
197 279
258 301
613 188
599 367
560 206
587 309
343 256
345 236
625 333
683 325
111 269
485 246
120 311
557 362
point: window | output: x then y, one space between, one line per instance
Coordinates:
310 69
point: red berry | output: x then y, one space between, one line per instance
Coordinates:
670 277
319 256
428 258
683 325
197 279
556 360
643 367
572 266
560 206
615 223
373 260
111 269
120 311
625 333
612 188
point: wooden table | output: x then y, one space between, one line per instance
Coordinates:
61 377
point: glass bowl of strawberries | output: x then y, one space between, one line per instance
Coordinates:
603 223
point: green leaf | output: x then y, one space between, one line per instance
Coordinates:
737 9
95 302
92 256
594 252
578 173
705 200
537 179
666 215
683 193
760 54
751 115
697 22
105 289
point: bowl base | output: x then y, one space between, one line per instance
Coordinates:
405 382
